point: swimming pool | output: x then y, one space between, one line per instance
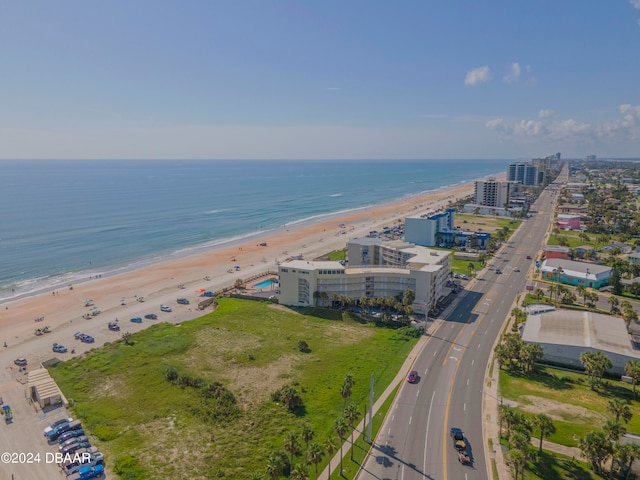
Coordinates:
266 283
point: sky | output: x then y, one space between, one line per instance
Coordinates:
311 79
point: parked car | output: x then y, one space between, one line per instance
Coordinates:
87 339
84 461
87 472
113 326
183 301
136 320
165 308
59 348
151 316
20 361
70 434
57 423
413 376
71 441
52 435
498 271
516 269
76 446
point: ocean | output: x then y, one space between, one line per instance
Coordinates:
62 221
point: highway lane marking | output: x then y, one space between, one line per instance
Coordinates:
426 433
410 418
418 393
425 372
467 382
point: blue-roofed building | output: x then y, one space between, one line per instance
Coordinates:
439 230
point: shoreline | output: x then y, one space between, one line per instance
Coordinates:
60 280
159 283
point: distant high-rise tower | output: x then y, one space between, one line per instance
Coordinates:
524 173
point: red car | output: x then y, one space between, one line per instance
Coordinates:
413 377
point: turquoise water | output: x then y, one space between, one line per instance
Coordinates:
64 221
266 283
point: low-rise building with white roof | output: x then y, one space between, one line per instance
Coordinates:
565 334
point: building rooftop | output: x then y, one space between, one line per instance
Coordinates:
571 267
313 265
579 329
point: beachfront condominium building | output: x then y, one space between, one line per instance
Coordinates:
524 173
376 269
492 193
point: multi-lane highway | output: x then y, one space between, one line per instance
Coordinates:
413 442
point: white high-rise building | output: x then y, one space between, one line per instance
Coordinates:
492 193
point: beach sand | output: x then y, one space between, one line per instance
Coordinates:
64 308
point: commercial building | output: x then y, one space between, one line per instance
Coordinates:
568 222
565 334
576 273
376 269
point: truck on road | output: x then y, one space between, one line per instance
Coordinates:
460 444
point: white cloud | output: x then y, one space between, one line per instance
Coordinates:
570 130
635 4
514 73
477 75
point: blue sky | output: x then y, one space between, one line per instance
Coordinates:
319 79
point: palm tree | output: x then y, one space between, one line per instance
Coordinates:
330 447
292 445
351 414
582 292
614 302
596 447
632 369
614 430
545 425
299 472
275 464
315 454
619 408
340 427
307 436
345 393
539 293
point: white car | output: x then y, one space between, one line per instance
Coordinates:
165 308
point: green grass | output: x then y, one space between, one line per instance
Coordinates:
337 255
149 428
460 266
587 409
553 466
486 223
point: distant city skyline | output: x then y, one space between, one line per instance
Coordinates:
320 80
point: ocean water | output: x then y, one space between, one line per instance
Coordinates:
62 221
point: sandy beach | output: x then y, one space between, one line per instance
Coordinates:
117 296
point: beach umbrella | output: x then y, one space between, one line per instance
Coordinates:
236 267
88 300
93 308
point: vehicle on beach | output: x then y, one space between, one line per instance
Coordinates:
516 269
183 301
114 327
59 348
8 414
528 257
165 308
83 337
413 376
21 361
136 319
151 316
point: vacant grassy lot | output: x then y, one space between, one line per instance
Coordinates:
484 223
568 399
151 428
